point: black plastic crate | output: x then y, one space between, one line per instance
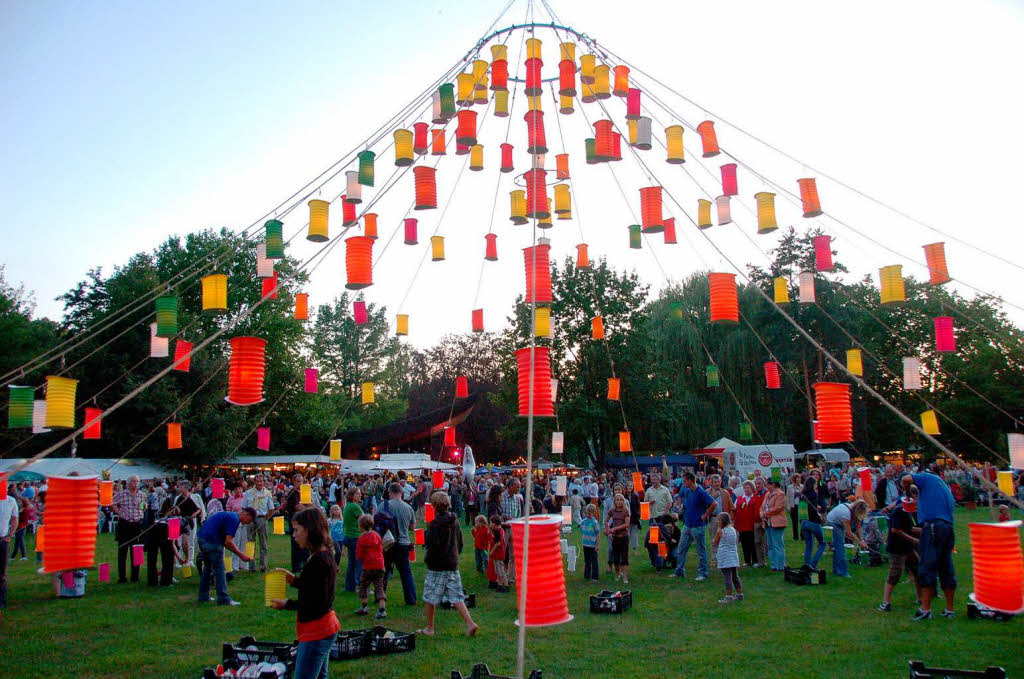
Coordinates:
805 575
607 601
351 645
470 603
211 673
919 671
381 644
481 671
249 651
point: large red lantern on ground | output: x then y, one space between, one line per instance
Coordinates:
70 519
771 375
245 374
546 602
543 406
998 566
538 266
835 418
724 299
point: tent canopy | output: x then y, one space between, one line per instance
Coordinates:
647 461
828 454
86 466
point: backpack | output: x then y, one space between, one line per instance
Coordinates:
386 525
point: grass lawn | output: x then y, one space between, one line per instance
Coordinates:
676 629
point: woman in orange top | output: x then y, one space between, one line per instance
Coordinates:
773 512
316 625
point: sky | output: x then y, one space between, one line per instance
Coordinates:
124 123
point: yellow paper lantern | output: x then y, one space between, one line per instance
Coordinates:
437 248
545 222
781 290
930 422
215 292
533 48
499 53
402 324
305 494
278 525
318 210
367 392
335 448
855 362
1005 483
480 92
274 586
479 72
403 148
563 200
250 549
893 290
631 131
465 89
228 567
565 104
602 82
542 322
587 65
533 102
567 51
587 95
703 213
518 209
60 402
501 103
765 212
674 144
476 158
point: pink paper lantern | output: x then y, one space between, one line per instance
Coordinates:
729 184
945 340
312 380
263 438
823 253
67 578
173 528
359 313
217 489
104 572
410 231
137 554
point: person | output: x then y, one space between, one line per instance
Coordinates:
481 541
760 534
811 527
773 513
497 577
370 552
591 534
260 499
129 504
337 528
19 534
316 624
576 502
158 545
214 535
1004 513
606 506
353 510
728 557
745 519
510 506
443 582
793 493
8 526
935 516
659 496
398 556
887 491
697 507
616 527
633 502
840 518
904 536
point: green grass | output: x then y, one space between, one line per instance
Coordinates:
675 629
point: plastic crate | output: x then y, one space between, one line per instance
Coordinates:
351 645
919 671
211 673
607 601
976 611
380 644
805 575
481 671
249 651
470 603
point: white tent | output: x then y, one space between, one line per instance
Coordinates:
828 454
85 466
745 460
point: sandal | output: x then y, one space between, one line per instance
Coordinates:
423 632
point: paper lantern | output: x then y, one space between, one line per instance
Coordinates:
353 189
499 75
651 218
278 525
597 327
1005 483
587 64
367 392
60 401
518 207
182 355
166 316
602 82
864 473
301 306
567 78
465 132
103 572
348 213
855 362
711 378
544 579
19 407
174 436
703 213
318 218
72 504
312 380
998 565
540 360
533 77
274 587
402 324
159 347
403 148
809 197
745 431
641 131
655 535
305 494
437 481
437 143
835 419
449 437
591 153
557 448
729 184
670 230
447 92
708 138
911 373
542 322
536 193
359 315
945 339
930 423
215 292
625 444
892 290
138 555
823 253
501 104
39 417
674 144
538 274
370 225
366 159
477 322
228 563
476 158
724 299
582 256
173 528
780 289
461 386
536 141
806 288
106 493
633 111
621 86
635 236
358 262
426 188
419 537
269 287
613 388
563 200
603 132
334 449
771 375
93 423
263 438
464 97
437 248
41 538
765 212
245 374
935 256
1015 446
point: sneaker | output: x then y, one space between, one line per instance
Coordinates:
229 602
726 600
948 614
676 575
361 611
24 558
381 614
922 615
701 578
738 597
885 607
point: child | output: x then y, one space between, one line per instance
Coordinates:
1004 513
591 530
443 582
337 527
481 541
728 558
496 573
370 552
617 530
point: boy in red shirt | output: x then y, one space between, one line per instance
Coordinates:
481 541
496 574
370 551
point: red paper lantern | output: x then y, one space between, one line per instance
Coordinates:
3 486
358 261
410 231
603 144
245 374
419 140
536 193
533 78
499 75
540 253
562 166
348 212
270 287
835 418
263 438
217 488
449 437
650 210
771 375
465 132
945 339
478 320
426 188
419 536
535 132
633 104
461 387
437 479
544 580
174 436
809 197
823 253
865 479
542 403
312 381
182 355
412 553
437 145
670 231
567 78
724 302
428 510
708 138
359 314
72 503
491 254
173 528
729 185
998 566
506 158
93 423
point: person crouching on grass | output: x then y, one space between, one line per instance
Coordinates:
370 551
316 624
443 582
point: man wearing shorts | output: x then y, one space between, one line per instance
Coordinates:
443 583
935 515
904 536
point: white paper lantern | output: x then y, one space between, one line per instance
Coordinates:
560 486
565 546
643 133
1015 442
554 390
911 373
158 346
807 287
538 161
353 189
566 515
39 417
437 118
264 266
724 214
557 442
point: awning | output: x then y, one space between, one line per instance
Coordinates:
646 461
828 454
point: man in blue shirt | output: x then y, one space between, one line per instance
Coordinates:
935 515
698 505
216 533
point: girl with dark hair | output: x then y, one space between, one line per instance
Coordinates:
316 625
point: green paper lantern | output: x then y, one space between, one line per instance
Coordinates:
19 410
711 373
745 431
591 146
776 474
447 91
634 236
275 239
166 316
366 168
675 311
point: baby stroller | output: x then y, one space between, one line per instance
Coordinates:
875 538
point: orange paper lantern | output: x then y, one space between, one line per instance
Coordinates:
173 435
70 518
625 443
582 257
358 262
650 210
935 255
645 511
613 388
106 493
370 225
544 580
426 187
724 302
597 327
245 374
437 145
809 197
998 566
638 482
538 267
301 306
562 166
540 358
708 138
835 418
